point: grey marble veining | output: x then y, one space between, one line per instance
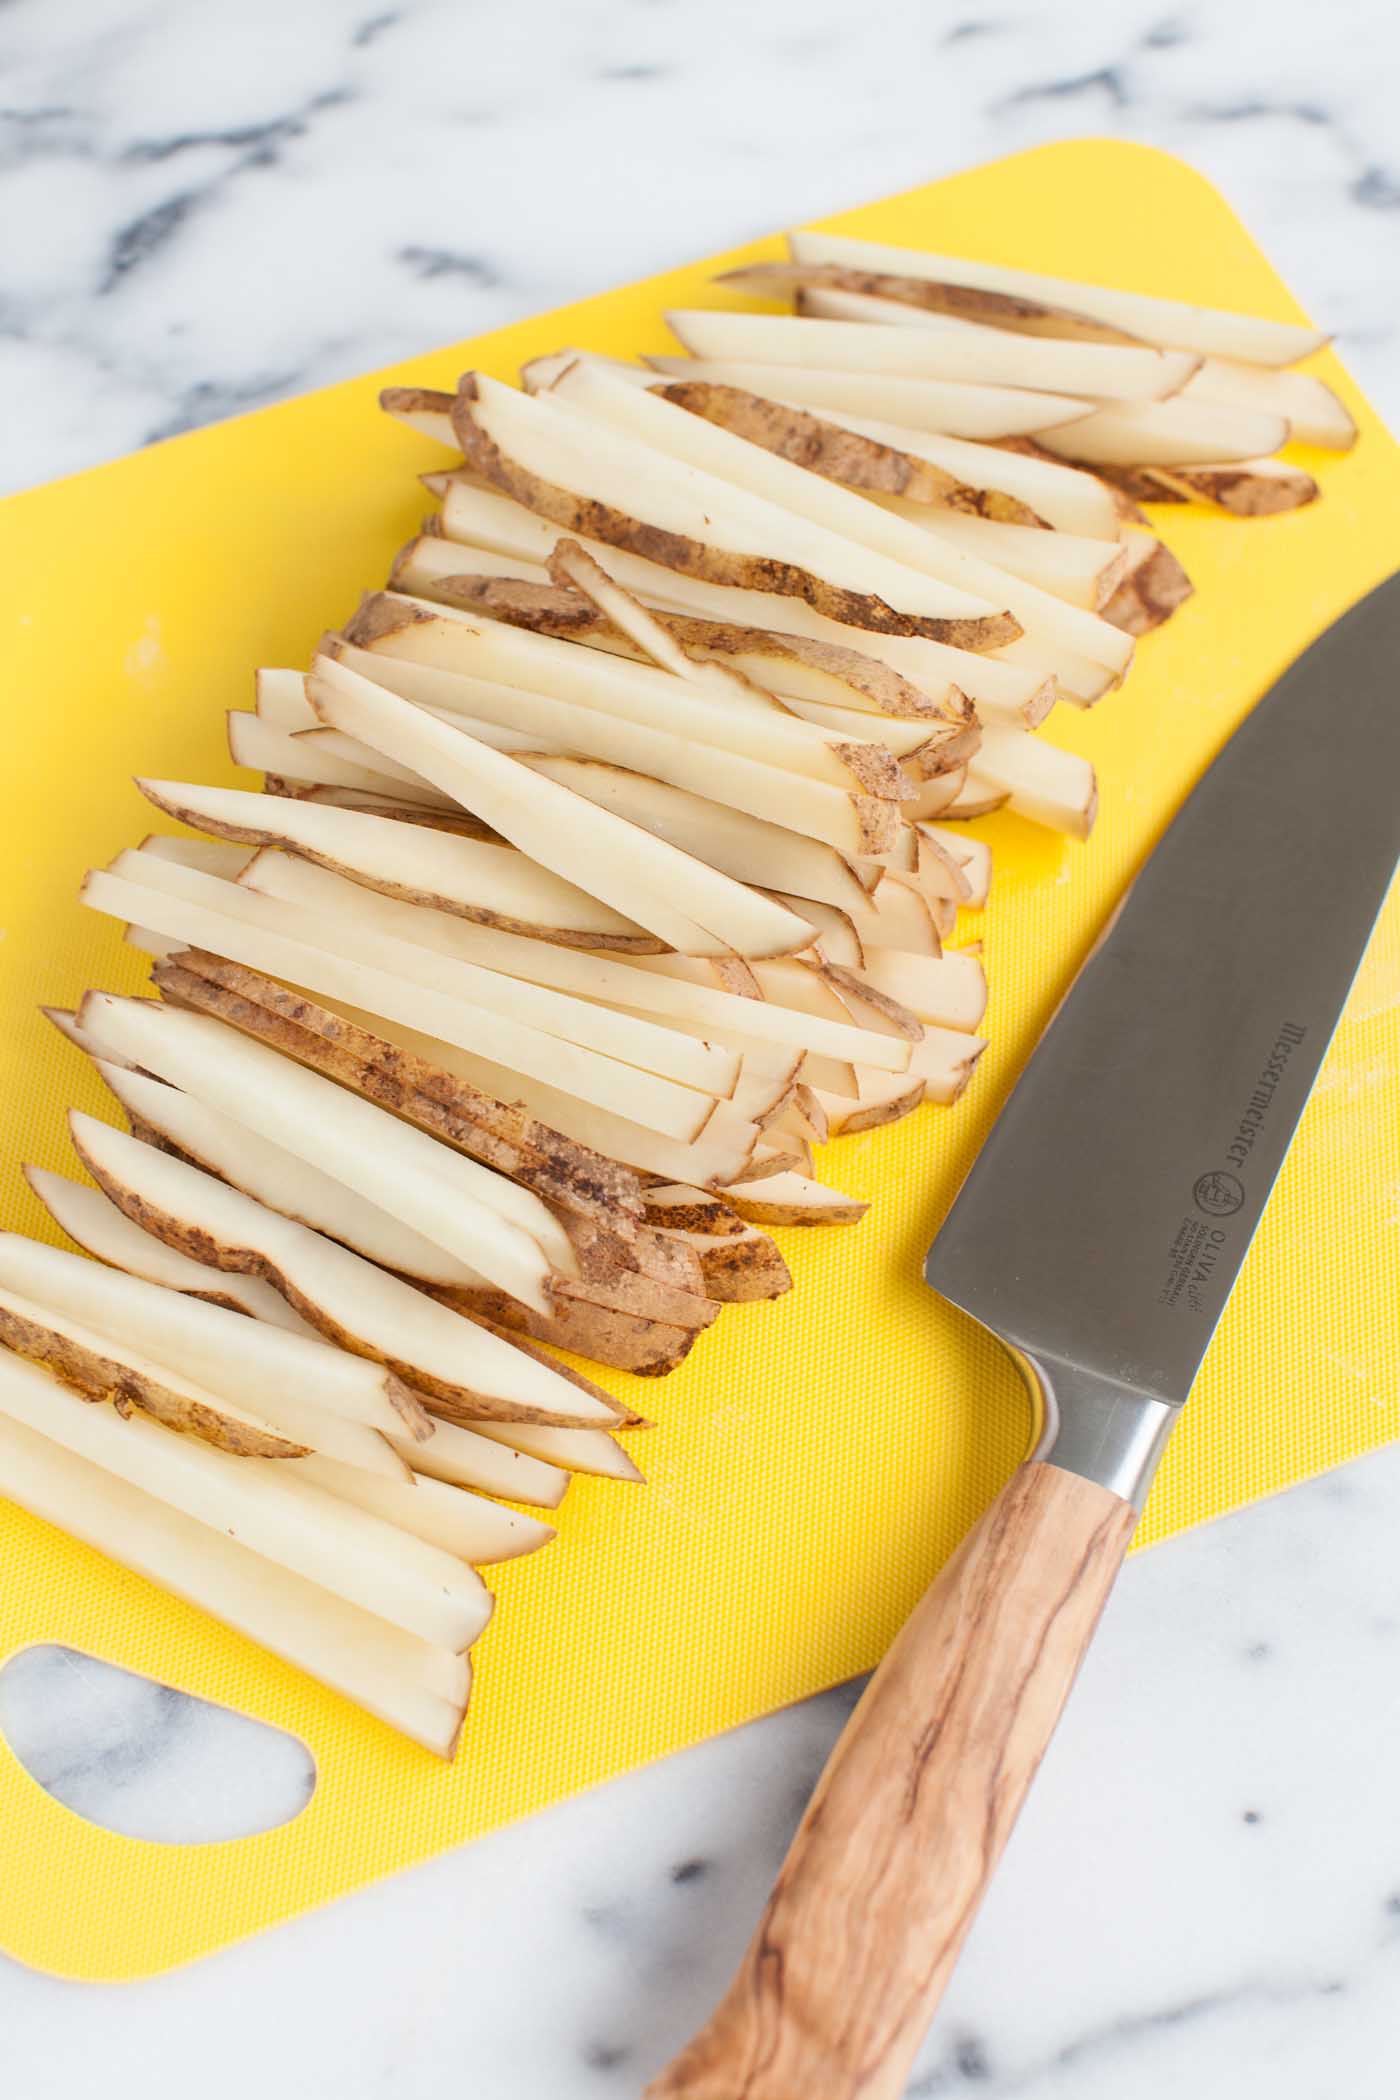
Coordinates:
205 207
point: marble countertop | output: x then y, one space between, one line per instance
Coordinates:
203 208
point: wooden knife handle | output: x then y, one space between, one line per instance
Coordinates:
900 1839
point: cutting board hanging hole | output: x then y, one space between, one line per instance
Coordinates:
142 1759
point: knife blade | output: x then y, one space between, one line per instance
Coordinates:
1103 1224
1098 1234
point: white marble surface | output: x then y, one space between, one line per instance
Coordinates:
203 207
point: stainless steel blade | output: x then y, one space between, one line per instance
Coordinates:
1104 1222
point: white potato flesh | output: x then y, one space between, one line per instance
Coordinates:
412 1686
1171 322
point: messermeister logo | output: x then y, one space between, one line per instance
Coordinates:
1196 1248
1218 1194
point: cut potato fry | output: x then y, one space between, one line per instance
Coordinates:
1178 433
251 932
792 1199
99 1369
441 1087
1050 786
467 1371
220 1351
271 1175
838 940
592 977
743 846
883 1098
420 1690
959 302
95 1223
1248 488
839 511
795 668
459 1456
576 1450
856 333
677 1208
948 473
443 1199
1130 315
984 414
697 749
1153 585
542 452
447 1517
464 1458
947 991
740 1268
973 857
895 916
1313 413
269 1510
838 452
1083 572
494 884
625 1341
422 408
251 743
580 1181
476 517
944 1060
556 828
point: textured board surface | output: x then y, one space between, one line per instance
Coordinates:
814 1459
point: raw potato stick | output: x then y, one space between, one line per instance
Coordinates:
1131 315
743 1267
164 1115
558 831
565 1172
420 1690
1154 584
100 1370
746 847
846 817
600 978
261 944
467 1371
909 343
838 511
981 414
1083 572
1178 433
459 1456
369 1563
251 743
449 1518
480 1218
892 459
218 1350
832 449
792 1199
493 883
479 517
424 1077
696 523
1314 414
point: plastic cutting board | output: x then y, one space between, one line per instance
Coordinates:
815 1459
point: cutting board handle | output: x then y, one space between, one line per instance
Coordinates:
909 1819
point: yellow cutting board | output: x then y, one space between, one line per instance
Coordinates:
815 1459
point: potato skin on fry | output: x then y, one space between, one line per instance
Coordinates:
594 520
99 1378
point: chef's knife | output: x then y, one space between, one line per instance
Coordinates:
1098 1235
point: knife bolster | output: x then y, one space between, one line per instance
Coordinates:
1096 1428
